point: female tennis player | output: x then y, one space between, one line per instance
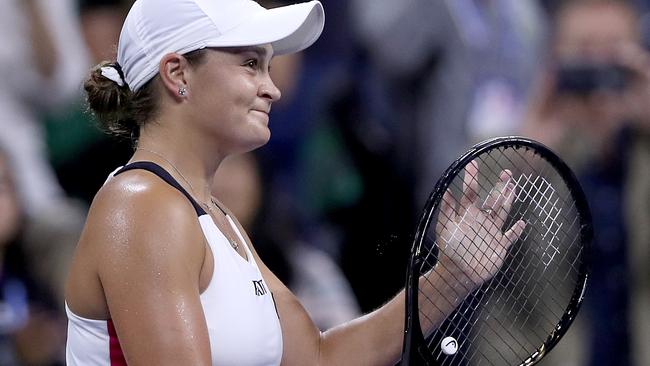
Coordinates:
163 274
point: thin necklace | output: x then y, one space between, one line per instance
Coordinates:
233 243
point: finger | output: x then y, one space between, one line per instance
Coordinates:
509 194
447 211
513 234
504 209
470 184
634 58
496 197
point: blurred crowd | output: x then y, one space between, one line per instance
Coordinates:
370 117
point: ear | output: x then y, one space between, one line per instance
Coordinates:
173 74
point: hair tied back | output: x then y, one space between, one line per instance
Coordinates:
114 72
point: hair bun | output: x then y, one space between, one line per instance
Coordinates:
110 102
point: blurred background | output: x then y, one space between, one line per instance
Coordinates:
370 117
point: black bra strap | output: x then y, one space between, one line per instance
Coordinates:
164 175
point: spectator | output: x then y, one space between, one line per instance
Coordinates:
457 71
431 77
592 107
42 61
31 330
75 142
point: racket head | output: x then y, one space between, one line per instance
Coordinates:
479 317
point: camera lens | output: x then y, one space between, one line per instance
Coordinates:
586 78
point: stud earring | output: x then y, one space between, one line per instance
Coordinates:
182 91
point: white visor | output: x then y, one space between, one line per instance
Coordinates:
154 28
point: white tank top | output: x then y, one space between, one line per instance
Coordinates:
239 309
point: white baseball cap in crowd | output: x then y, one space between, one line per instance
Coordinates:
154 28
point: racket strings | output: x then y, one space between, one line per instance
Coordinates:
549 258
478 331
472 323
545 263
477 334
528 289
467 321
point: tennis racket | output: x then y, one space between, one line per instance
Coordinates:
498 267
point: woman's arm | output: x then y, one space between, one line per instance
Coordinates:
150 249
376 338
373 339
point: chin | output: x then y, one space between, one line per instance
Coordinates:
256 143
259 144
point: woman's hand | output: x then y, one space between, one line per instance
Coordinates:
469 235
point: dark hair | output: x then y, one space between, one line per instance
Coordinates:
120 111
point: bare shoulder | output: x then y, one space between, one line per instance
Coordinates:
141 187
137 201
137 217
137 225
143 249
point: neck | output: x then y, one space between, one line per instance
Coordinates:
185 158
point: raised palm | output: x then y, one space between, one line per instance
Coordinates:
469 233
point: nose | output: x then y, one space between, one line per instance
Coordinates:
268 90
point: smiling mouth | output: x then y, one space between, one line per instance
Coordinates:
263 113
259 111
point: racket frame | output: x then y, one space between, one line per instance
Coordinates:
415 351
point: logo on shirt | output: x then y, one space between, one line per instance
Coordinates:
260 290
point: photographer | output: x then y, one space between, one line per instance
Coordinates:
592 106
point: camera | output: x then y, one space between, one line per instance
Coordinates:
584 78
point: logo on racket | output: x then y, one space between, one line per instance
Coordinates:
449 345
